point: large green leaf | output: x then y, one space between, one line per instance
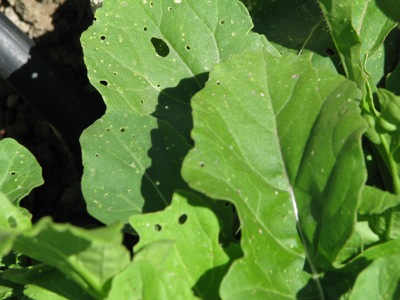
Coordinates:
89 257
193 254
19 171
137 51
151 57
280 140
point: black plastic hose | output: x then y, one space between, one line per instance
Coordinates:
40 81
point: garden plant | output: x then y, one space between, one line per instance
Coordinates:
251 161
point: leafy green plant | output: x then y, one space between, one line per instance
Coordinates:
251 165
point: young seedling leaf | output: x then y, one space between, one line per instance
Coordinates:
277 137
19 170
194 252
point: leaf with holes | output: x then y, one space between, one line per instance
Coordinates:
273 136
19 172
126 163
188 224
149 58
147 277
153 56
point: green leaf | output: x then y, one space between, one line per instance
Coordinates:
120 178
19 172
387 126
151 57
148 277
273 134
292 26
358 30
391 8
375 201
189 224
380 280
89 257
393 81
190 46
8 289
44 282
13 221
340 282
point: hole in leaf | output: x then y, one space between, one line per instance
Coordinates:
160 46
145 28
12 222
218 82
12 173
104 82
108 129
151 4
133 135
187 47
201 165
103 37
97 155
330 52
157 227
122 129
169 8
222 22
182 219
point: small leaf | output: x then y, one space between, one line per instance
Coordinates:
13 221
19 172
383 286
375 201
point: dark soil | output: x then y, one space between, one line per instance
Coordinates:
55 26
